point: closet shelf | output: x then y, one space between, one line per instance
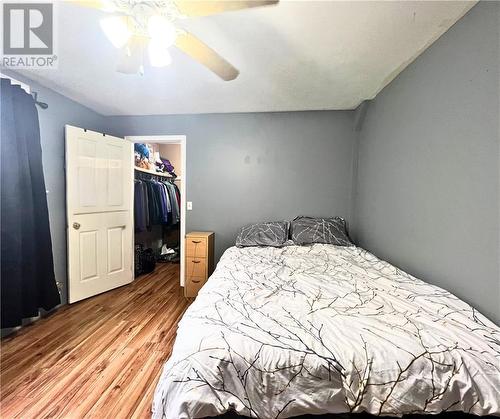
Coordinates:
152 172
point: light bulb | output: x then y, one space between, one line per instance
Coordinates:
161 30
158 54
116 29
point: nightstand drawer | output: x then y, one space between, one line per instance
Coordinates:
196 247
196 267
193 285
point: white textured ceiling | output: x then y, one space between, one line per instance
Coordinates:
298 55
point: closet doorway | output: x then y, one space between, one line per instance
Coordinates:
160 160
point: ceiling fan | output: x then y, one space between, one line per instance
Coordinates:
139 25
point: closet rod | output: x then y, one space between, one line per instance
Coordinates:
141 171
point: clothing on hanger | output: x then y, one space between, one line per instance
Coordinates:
156 202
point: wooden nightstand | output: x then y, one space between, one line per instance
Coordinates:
199 260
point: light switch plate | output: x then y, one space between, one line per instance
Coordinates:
189 205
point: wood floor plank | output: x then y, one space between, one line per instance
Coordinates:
99 358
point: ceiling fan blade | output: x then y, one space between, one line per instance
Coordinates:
209 7
205 55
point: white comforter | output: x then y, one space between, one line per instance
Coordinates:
327 329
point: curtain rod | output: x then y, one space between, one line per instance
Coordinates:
42 105
26 88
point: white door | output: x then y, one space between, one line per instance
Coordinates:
99 212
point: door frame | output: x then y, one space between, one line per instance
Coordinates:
171 139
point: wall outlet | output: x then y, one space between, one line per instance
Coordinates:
189 205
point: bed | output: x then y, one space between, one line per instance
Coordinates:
282 332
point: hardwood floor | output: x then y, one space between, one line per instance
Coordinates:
98 358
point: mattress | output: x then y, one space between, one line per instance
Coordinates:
280 332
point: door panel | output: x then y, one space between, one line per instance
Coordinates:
95 168
88 255
119 242
114 195
102 253
115 249
99 211
87 177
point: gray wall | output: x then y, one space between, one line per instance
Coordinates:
249 167
61 111
428 180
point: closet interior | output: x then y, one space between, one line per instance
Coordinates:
157 205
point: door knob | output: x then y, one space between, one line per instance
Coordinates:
76 226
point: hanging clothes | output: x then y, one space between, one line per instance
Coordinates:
178 195
27 267
156 202
173 202
141 215
165 203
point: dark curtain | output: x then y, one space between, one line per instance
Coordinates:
27 267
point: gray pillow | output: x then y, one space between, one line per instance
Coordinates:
308 230
273 234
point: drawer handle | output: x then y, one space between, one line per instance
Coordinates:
196 241
196 261
196 282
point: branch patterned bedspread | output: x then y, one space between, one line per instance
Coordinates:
280 332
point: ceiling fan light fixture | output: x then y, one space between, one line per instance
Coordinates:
108 6
116 30
161 30
158 54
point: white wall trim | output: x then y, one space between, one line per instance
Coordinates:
172 139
